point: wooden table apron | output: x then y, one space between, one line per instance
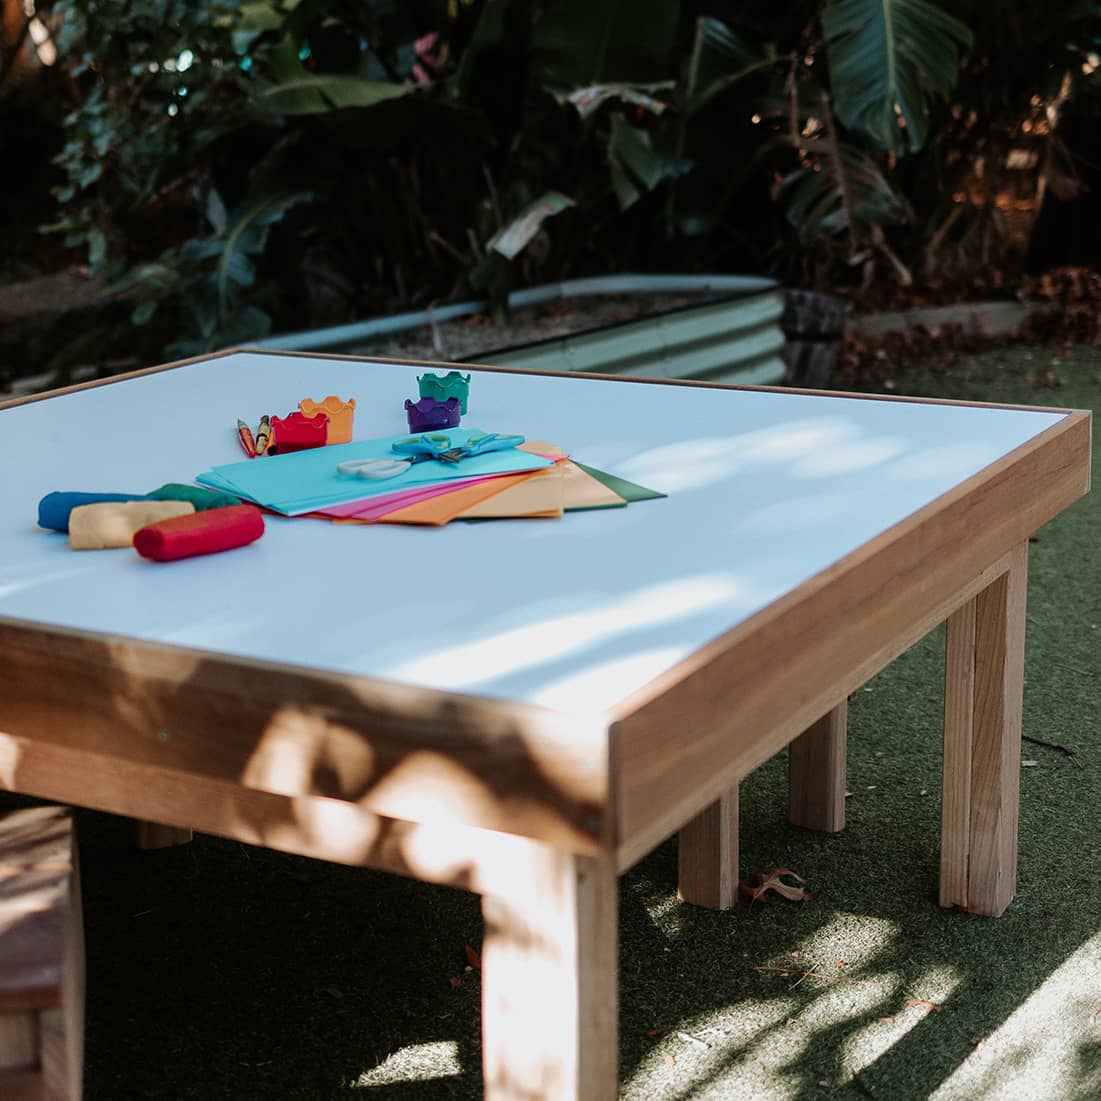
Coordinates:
537 810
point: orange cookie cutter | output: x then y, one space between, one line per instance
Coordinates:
340 414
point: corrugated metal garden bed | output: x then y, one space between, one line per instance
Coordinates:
720 328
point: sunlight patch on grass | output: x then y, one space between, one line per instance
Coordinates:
416 1063
667 915
910 1006
754 1047
847 940
716 1048
1047 1048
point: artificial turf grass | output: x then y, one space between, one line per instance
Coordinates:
212 967
883 869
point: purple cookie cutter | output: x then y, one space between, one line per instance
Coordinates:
428 414
442 387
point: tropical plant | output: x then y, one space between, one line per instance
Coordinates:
298 162
845 96
843 90
184 155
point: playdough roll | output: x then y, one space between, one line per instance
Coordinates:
201 498
54 508
113 523
216 529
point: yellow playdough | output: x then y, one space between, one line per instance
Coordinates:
114 523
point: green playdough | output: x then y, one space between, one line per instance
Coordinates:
202 499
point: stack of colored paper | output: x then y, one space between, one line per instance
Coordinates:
536 479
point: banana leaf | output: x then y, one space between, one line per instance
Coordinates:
843 191
510 240
581 42
886 58
245 236
587 101
720 58
318 95
635 165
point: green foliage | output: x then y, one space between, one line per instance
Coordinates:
886 57
318 95
139 142
173 128
244 166
845 193
720 59
580 42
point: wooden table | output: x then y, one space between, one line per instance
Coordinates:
526 708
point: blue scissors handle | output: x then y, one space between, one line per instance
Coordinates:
428 446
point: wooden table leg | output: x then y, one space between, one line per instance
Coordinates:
983 692
707 855
816 773
549 979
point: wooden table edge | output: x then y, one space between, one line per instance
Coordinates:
833 638
389 749
504 369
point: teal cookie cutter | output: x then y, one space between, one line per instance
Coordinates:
442 387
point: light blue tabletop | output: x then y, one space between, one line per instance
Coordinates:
765 490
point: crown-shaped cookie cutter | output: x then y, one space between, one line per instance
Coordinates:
428 414
340 414
442 387
297 432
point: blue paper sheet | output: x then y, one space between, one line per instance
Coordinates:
303 481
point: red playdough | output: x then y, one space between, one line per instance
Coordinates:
217 529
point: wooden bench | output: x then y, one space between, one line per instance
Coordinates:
41 957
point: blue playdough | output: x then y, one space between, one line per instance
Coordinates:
54 508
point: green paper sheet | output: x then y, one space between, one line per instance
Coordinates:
631 491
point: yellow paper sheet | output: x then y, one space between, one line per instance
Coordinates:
582 490
563 486
541 494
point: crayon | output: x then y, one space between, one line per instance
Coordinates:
263 436
244 434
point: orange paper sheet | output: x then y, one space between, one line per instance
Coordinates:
508 497
538 495
443 509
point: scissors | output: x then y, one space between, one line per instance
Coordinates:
428 446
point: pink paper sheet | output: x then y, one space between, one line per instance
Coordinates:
374 507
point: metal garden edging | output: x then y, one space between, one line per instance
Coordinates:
732 336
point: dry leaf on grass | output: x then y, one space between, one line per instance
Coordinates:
472 957
771 879
925 1007
455 982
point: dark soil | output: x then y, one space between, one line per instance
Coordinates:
468 337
